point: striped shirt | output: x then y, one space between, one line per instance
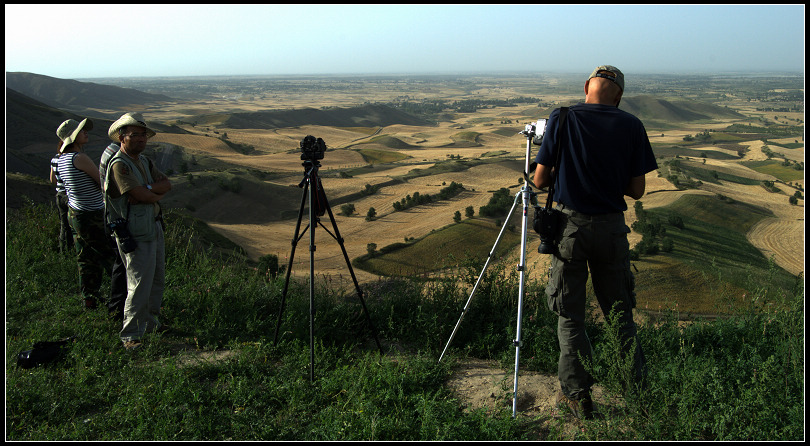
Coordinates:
84 194
60 186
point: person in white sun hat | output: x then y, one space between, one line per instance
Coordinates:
85 208
133 187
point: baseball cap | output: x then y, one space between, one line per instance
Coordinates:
609 72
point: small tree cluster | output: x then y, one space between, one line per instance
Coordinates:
499 204
652 232
411 201
418 199
371 214
347 209
469 211
794 199
268 266
370 190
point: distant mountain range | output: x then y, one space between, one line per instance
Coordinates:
34 114
78 97
37 104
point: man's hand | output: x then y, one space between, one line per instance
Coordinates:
142 194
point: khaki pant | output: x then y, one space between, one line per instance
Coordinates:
599 244
145 270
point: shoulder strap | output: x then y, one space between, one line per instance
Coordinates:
560 133
558 148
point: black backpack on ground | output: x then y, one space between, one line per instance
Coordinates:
43 352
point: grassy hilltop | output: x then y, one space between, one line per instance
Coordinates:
219 376
718 258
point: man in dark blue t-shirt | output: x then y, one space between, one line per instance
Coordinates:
605 156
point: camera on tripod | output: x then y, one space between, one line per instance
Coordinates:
535 130
312 148
121 230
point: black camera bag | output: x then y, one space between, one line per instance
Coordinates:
547 219
42 352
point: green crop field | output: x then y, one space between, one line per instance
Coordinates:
444 248
709 269
375 156
712 263
777 169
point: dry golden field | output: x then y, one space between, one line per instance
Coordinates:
277 151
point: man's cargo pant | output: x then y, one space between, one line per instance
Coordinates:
598 243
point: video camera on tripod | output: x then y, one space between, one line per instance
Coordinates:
312 148
546 218
531 131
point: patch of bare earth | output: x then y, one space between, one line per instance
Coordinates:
189 355
484 384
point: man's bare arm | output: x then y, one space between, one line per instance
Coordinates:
636 187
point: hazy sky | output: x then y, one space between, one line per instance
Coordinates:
87 41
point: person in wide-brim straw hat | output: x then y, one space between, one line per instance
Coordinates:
85 209
133 187
69 130
134 119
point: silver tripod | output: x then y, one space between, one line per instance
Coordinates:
532 131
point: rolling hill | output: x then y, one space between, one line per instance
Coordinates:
31 137
369 115
233 198
649 108
655 111
79 97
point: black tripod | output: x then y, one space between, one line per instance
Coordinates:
318 205
530 132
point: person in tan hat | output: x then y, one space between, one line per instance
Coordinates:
605 154
85 203
133 187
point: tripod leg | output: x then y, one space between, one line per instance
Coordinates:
312 220
339 239
527 194
521 292
480 276
289 266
